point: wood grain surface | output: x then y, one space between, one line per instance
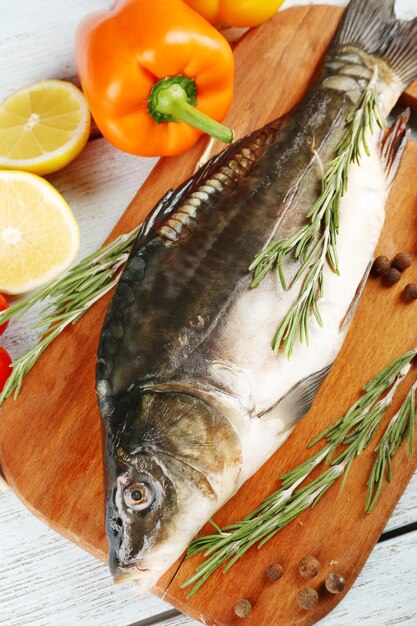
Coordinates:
69 587
50 438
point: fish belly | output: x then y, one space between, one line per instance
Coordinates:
261 378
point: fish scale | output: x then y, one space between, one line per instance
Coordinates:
201 275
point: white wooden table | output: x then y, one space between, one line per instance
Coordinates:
44 579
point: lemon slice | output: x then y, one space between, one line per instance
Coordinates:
39 237
43 127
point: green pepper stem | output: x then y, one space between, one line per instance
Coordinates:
173 100
185 112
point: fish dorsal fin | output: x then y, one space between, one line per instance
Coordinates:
224 171
298 400
170 202
344 324
393 142
221 171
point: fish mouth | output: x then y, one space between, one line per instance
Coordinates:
134 574
143 577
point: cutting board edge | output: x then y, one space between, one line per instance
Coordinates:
60 529
310 619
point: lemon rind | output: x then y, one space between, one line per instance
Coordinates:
52 195
52 161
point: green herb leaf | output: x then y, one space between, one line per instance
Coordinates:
353 432
68 298
399 430
314 244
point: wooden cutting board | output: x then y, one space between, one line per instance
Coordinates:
50 446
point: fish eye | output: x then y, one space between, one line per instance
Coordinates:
139 496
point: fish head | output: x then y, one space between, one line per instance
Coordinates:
173 463
138 508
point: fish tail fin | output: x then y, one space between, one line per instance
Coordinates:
393 142
371 26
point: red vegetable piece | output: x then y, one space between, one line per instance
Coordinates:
5 369
3 305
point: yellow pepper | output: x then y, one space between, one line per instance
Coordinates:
236 12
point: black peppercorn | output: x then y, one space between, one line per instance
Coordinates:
410 292
309 567
243 608
275 571
392 277
380 266
307 598
401 261
335 583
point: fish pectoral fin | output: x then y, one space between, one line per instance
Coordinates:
393 142
234 381
344 324
298 400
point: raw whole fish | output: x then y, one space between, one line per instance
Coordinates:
192 397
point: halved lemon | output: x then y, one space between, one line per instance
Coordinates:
43 127
39 237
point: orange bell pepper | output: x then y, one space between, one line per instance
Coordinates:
155 74
236 12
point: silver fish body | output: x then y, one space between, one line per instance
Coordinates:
193 398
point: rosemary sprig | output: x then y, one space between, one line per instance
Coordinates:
72 295
374 389
68 298
314 245
354 431
400 429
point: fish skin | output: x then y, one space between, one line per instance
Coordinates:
177 273
194 281
191 396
